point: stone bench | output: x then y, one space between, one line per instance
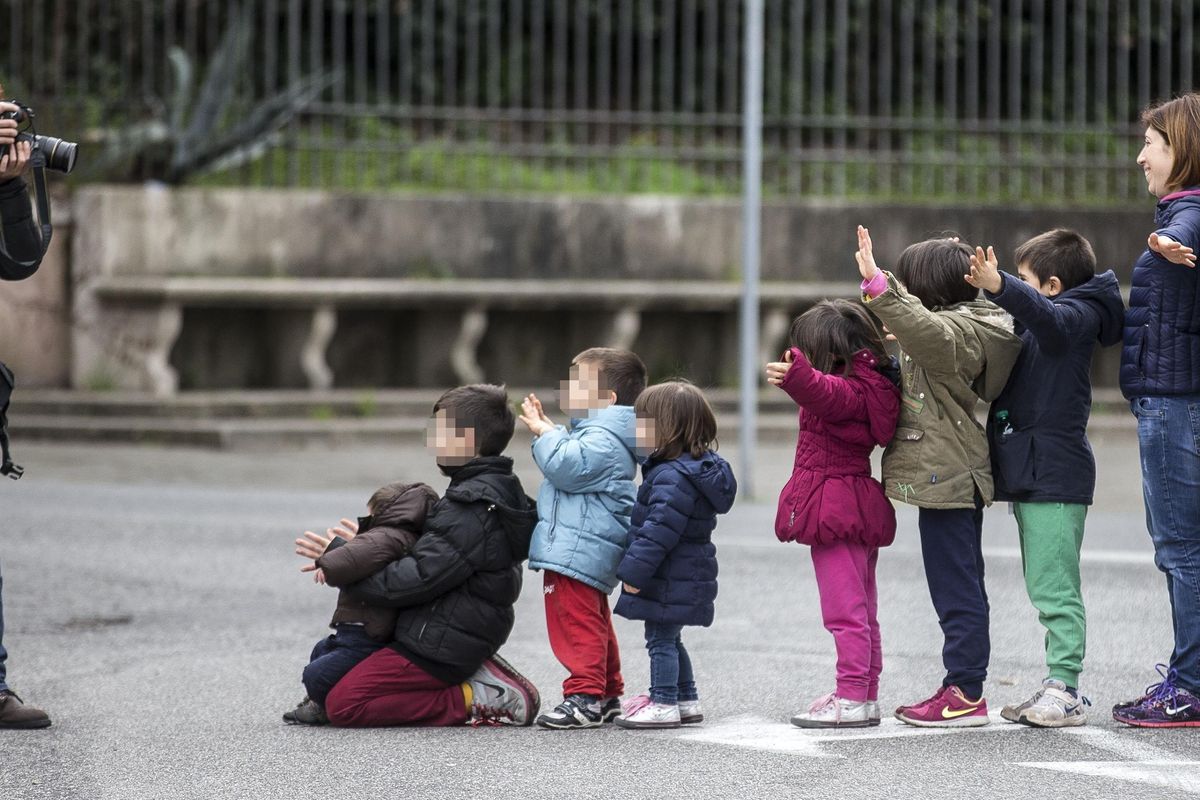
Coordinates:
149 309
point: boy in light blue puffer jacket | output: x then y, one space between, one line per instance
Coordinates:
583 526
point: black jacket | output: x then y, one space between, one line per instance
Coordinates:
456 590
22 251
1037 428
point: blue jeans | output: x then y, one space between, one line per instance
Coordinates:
1169 440
333 657
671 677
3 652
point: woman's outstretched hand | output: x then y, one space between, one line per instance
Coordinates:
1171 250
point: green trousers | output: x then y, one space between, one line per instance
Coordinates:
1051 536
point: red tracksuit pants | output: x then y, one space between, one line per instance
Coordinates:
582 636
385 688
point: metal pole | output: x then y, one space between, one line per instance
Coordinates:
751 213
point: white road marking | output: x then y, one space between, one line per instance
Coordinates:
781 737
1148 765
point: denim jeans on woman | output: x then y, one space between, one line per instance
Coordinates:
1169 440
671 677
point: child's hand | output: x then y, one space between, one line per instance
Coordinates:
1171 250
777 370
347 530
319 577
313 546
630 589
534 416
865 256
985 271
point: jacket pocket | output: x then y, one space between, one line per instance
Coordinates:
1016 462
902 462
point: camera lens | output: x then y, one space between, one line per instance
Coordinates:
60 154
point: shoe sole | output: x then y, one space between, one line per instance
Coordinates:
566 725
25 726
961 722
1144 724
809 724
653 726
533 702
1067 722
695 719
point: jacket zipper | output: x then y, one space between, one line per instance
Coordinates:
425 624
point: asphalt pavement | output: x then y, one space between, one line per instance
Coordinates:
154 607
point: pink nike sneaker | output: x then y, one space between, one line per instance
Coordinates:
949 708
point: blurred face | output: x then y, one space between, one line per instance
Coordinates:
1050 288
584 391
646 436
1156 161
451 444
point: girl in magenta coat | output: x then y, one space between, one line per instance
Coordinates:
846 386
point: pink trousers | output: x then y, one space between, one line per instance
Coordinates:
849 604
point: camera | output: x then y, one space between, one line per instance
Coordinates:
58 154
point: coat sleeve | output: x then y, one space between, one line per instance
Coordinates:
22 252
581 463
1184 228
939 347
1055 326
366 554
440 562
650 542
827 396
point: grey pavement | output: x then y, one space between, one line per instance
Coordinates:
154 607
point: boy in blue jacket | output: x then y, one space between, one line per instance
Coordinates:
583 524
1037 429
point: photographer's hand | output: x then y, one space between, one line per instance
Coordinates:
14 163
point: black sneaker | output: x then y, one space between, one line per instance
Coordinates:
577 711
610 709
308 712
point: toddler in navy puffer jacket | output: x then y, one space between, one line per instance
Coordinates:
669 572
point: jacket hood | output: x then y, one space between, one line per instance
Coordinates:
1000 345
1103 294
1175 202
490 479
712 476
884 377
412 503
618 420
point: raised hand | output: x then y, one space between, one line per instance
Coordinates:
778 370
534 417
1171 250
985 271
865 255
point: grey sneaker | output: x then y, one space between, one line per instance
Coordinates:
690 712
1012 713
1054 707
308 712
576 711
501 695
832 711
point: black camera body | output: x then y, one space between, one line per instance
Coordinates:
49 151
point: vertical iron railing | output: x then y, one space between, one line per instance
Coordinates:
989 101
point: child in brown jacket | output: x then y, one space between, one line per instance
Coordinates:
397 515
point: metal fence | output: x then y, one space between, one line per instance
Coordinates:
989 101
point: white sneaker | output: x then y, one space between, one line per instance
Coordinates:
641 712
690 712
1053 707
832 711
874 715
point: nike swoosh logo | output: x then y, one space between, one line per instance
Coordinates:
1173 711
948 714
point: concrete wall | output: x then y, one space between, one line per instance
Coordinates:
152 230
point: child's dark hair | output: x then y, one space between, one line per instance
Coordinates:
483 407
933 270
620 370
832 331
683 420
1060 253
